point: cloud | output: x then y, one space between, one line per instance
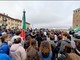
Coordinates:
48 14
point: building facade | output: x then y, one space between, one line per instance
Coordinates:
12 22
76 18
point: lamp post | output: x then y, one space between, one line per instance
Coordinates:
4 19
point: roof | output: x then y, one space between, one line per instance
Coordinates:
76 9
12 18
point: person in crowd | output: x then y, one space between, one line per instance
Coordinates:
27 42
45 52
4 47
9 42
8 31
62 47
56 40
39 38
53 45
73 44
52 38
33 44
48 33
32 54
59 41
17 52
12 31
5 57
33 34
58 44
0 32
64 42
68 36
17 33
73 56
77 49
43 36
3 34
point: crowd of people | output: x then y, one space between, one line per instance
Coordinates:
39 44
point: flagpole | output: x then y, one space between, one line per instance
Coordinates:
23 25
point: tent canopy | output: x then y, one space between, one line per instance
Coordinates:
77 29
71 29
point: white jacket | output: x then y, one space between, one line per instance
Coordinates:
17 52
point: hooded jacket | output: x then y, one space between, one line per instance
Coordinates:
63 44
17 52
4 48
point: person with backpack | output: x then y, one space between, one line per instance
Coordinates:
77 49
45 52
17 52
63 43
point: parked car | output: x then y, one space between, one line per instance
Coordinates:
71 32
77 35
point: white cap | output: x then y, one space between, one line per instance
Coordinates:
17 37
4 33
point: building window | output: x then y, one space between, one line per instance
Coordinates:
12 23
76 15
9 22
77 25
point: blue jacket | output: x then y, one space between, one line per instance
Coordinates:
48 58
4 57
0 33
4 48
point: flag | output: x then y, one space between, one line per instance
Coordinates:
24 27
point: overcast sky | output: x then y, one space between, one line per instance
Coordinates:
48 14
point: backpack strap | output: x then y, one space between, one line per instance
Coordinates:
77 52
